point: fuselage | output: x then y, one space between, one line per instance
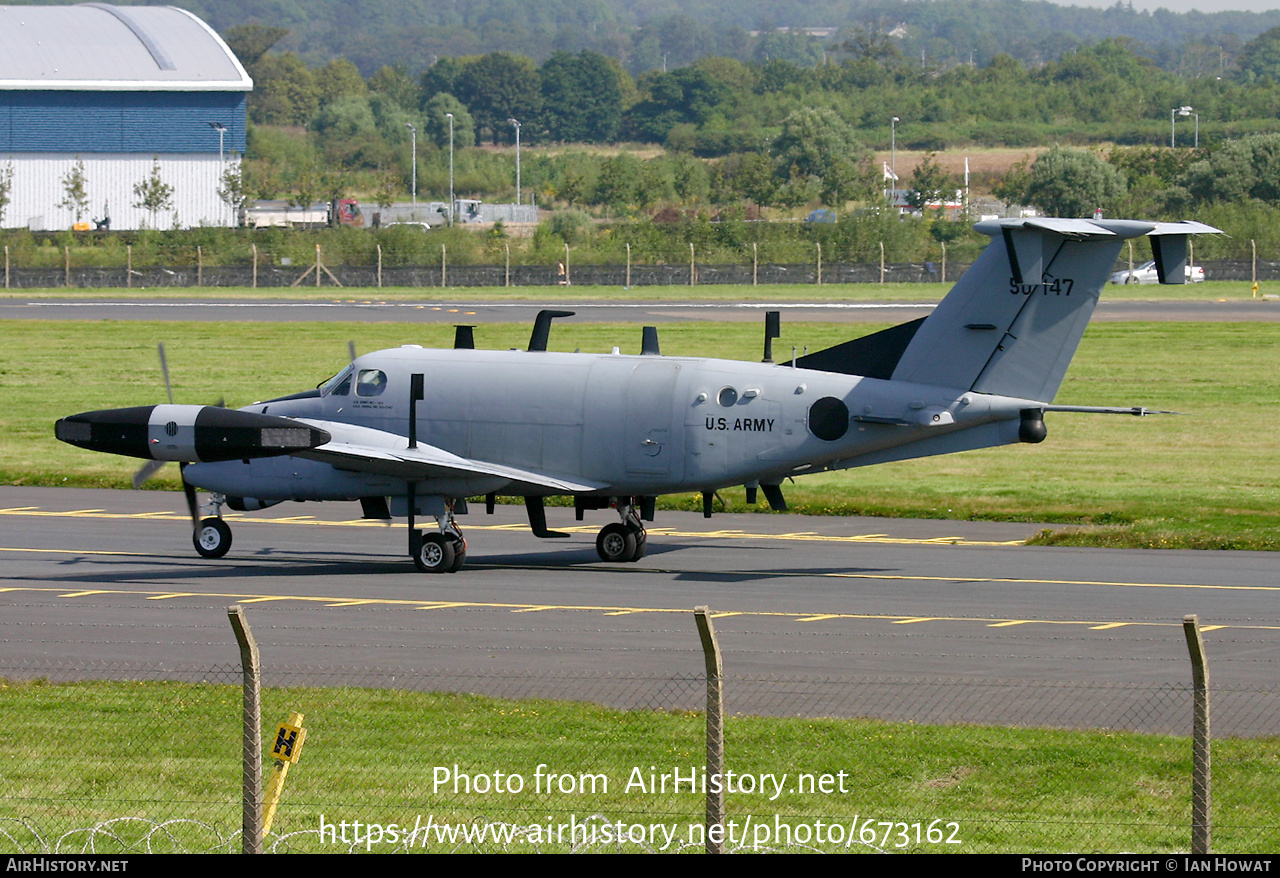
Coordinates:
634 425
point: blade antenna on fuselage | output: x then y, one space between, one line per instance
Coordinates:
649 342
542 328
772 330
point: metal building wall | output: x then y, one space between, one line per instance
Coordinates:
38 187
121 121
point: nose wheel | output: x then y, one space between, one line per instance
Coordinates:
212 538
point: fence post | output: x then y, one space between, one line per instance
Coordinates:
628 266
944 261
128 266
444 267
6 266
317 266
1201 772
199 267
379 246
1253 245
66 264
566 265
254 248
693 272
251 813
715 730
882 262
507 274
755 264
819 263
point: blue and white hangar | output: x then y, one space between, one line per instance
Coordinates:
133 114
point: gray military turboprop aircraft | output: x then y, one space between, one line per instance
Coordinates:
413 432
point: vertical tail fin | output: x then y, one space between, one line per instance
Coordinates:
1013 322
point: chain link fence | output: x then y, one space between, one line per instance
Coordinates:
446 275
121 758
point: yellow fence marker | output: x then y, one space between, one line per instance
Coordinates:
286 750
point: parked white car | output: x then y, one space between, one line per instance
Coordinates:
1146 274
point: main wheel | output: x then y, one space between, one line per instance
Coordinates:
435 555
459 555
212 538
642 540
616 543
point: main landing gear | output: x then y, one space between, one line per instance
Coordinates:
442 552
625 540
212 536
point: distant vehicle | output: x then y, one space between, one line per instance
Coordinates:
822 215
1146 274
407 225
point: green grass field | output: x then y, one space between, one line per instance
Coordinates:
1209 478
139 754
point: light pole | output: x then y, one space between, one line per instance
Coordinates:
893 158
450 117
222 133
1173 118
517 124
413 139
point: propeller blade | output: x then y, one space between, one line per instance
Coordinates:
193 505
164 367
148 469
351 348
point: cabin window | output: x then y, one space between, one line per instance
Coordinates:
371 382
728 396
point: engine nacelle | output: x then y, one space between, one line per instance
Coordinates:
187 433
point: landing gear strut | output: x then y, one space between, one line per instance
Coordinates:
442 552
625 540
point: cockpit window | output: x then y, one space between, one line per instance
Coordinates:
371 382
338 385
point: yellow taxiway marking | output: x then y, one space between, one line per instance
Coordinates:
82 594
76 552
337 602
778 574
799 536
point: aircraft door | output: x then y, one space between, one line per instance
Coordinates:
648 439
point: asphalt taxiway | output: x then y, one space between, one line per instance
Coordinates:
108 579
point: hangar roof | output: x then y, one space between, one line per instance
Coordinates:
98 47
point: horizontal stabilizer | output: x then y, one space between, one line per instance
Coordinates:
1012 323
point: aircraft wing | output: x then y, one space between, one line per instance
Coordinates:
362 449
